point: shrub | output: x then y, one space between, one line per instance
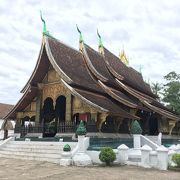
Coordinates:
81 130
136 128
67 148
107 155
176 159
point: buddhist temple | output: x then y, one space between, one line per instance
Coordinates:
69 85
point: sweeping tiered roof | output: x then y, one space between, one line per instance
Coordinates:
102 81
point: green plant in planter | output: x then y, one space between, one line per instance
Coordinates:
67 148
107 155
81 130
135 128
176 159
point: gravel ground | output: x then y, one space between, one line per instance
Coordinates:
25 170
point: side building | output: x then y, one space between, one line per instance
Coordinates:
68 85
6 129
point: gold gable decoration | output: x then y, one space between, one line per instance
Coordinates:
123 57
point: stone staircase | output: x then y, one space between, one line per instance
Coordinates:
33 150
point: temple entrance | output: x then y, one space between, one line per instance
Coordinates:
49 128
60 113
153 125
60 109
108 125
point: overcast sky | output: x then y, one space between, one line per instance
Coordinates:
149 30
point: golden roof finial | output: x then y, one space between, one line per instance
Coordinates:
123 57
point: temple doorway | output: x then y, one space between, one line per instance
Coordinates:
108 125
49 128
153 124
60 109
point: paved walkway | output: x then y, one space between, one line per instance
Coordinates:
11 169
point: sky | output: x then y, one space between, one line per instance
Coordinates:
148 30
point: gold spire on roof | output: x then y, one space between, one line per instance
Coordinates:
123 57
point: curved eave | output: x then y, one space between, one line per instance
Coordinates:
27 97
116 97
161 111
91 67
120 111
112 71
35 69
132 92
82 98
54 64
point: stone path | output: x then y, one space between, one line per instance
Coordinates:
11 169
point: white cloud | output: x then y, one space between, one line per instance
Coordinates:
149 31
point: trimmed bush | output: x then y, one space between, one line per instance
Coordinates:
135 128
67 148
107 155
176 159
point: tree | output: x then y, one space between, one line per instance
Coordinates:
172 91
156 87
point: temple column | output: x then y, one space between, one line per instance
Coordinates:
38 108
133 112
117 122
101 120
94 116
172 124
68 107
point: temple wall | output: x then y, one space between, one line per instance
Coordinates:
52 87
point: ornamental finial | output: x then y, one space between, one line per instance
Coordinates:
80 34
44 22
123 57
100 39
101 49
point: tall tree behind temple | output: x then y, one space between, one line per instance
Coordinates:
172 91
156 88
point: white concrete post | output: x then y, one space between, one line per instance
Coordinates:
145 159
122 155
153 159
81 145
81 158
162 156
66 159
159 140
137 141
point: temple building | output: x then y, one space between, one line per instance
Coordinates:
9 126
69 85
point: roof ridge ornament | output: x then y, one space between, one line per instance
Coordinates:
44 25
101 47
81 41
123 57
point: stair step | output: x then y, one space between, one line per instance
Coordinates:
52 160
34 154
32 150
40 151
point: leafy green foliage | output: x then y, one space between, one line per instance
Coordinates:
156 87
176 159
81 130
172 91
107 155
135 128
67 148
